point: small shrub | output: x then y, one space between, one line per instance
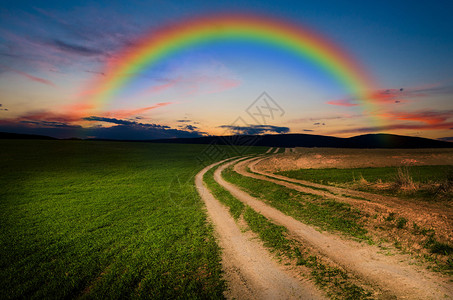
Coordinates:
401 223
441 248
390 217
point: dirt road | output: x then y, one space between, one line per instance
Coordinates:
250 270
387 273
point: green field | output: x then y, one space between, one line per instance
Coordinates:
104 219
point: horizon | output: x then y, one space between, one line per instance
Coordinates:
225 136
68 71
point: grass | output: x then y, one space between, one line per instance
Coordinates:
235 206
104 219
424 182
327 214
275 237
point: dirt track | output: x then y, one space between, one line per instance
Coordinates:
250 270
387 273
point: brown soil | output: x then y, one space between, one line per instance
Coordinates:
319 158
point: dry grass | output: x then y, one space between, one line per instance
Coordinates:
404 181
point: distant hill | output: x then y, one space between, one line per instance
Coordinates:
20 136
380 140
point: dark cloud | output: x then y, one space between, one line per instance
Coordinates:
94 72
190 127
50 124
122 130
183 121
123 122
447 139
307 130
62 126
256 129
76 49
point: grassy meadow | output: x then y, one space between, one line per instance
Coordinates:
104 220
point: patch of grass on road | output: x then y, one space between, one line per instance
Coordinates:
236 207
104 219
312 209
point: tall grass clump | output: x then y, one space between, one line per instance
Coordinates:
404 181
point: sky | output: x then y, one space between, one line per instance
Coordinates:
53 54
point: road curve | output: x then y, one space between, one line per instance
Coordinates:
249 268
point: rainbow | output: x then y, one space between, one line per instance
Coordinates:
163 43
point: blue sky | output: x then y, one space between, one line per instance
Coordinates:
51 50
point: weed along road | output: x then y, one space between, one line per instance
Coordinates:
285 238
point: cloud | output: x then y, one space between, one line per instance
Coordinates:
255 129
338 117
183 121
396 127
94 72
190 127
121 129
29 76
132 112
343 102
50 124
76 49
307 130
123 122
425 120
446 139
426 116
399 95
379 97
43 116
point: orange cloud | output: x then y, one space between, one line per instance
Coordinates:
343 102
447 125
124 113
428 117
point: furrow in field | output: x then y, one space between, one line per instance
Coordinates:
393 277
276 150
250 271
269 150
